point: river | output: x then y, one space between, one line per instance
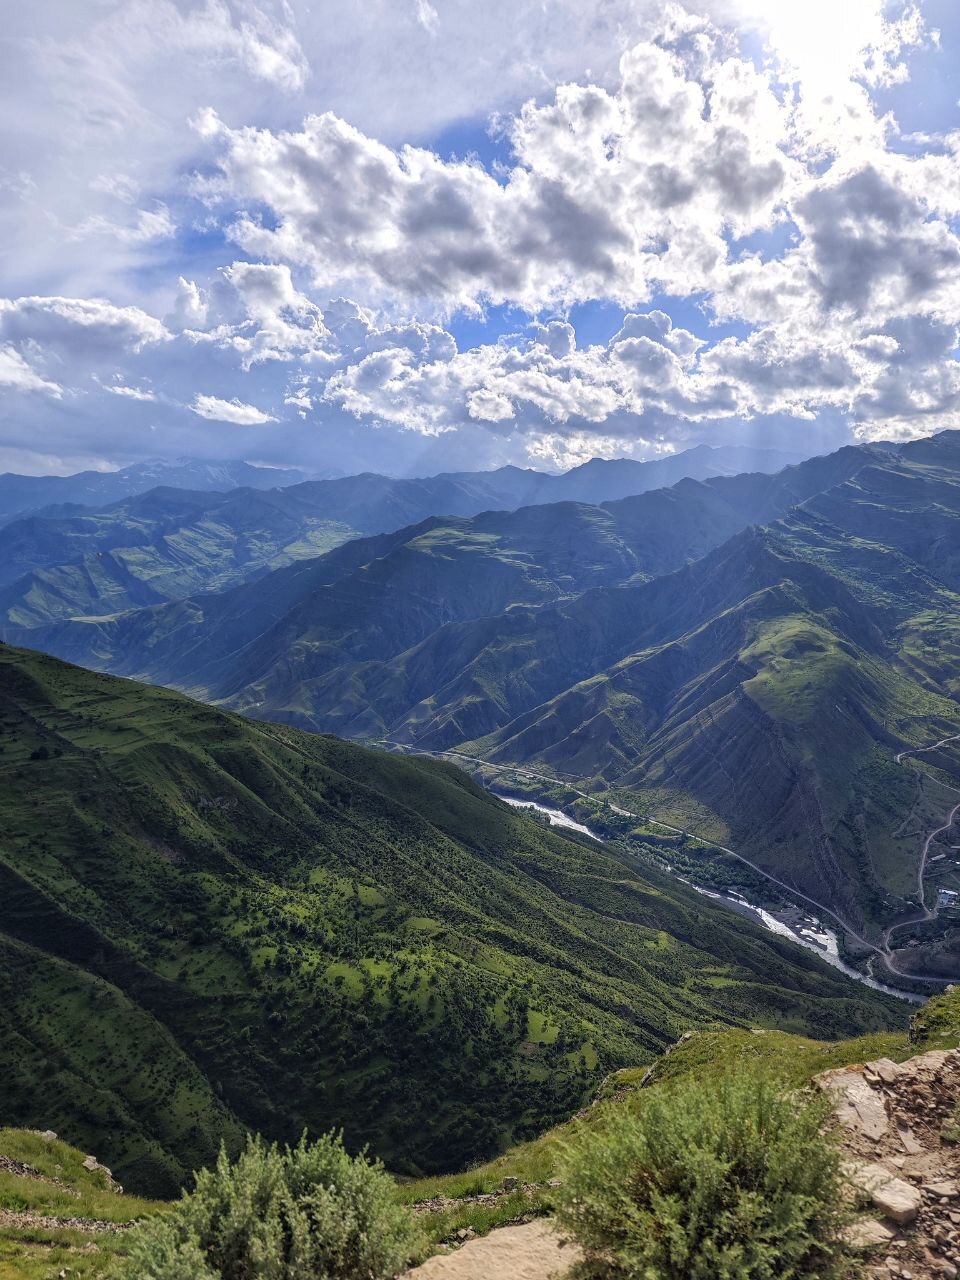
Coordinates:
806 932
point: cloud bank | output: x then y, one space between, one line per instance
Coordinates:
777 254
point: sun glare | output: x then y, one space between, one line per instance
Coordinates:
821 43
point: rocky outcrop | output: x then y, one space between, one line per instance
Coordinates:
894 1119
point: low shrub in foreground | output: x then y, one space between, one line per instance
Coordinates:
729 1179
310 1212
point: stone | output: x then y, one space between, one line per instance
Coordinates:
857 1105
510 1184
868 1176
897 1200
868 1233
529 1252
947 1188
91 1163
884 1069
48 1135
908 1138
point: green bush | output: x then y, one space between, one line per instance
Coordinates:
729 1179
310 1212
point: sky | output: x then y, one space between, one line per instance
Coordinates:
421 235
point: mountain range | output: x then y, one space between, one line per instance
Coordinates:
167 542
742 656
22 494
210 924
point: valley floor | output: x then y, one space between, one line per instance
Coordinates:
893 977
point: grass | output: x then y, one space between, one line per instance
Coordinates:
210 925
39 1254
63 1188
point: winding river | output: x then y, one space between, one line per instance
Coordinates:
814 936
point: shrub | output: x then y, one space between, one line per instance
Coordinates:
310 1212
729 1179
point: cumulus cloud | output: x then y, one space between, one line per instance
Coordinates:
611 194
770 195
235 411
81 325
261 315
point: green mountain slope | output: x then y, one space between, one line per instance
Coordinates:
758 695
765 694
300 642
208 923
169 543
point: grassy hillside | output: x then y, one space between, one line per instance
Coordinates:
787 1057
58 1217
209 923
68 1217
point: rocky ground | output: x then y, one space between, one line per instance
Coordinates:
897 1122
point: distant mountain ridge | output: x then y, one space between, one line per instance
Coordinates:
20 494
370 599
169 542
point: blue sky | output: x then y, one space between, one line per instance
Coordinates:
469 235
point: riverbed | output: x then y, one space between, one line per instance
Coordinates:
805 931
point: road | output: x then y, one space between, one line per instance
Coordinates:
919 751
925 912
882 952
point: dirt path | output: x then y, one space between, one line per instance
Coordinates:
533 1251
25 1220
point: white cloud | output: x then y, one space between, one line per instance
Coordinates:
131 393
489 406
17 375
150 224
79 324
243 415
644 160
611 194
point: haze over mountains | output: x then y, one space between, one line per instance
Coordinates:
19 494
743 655
161 542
